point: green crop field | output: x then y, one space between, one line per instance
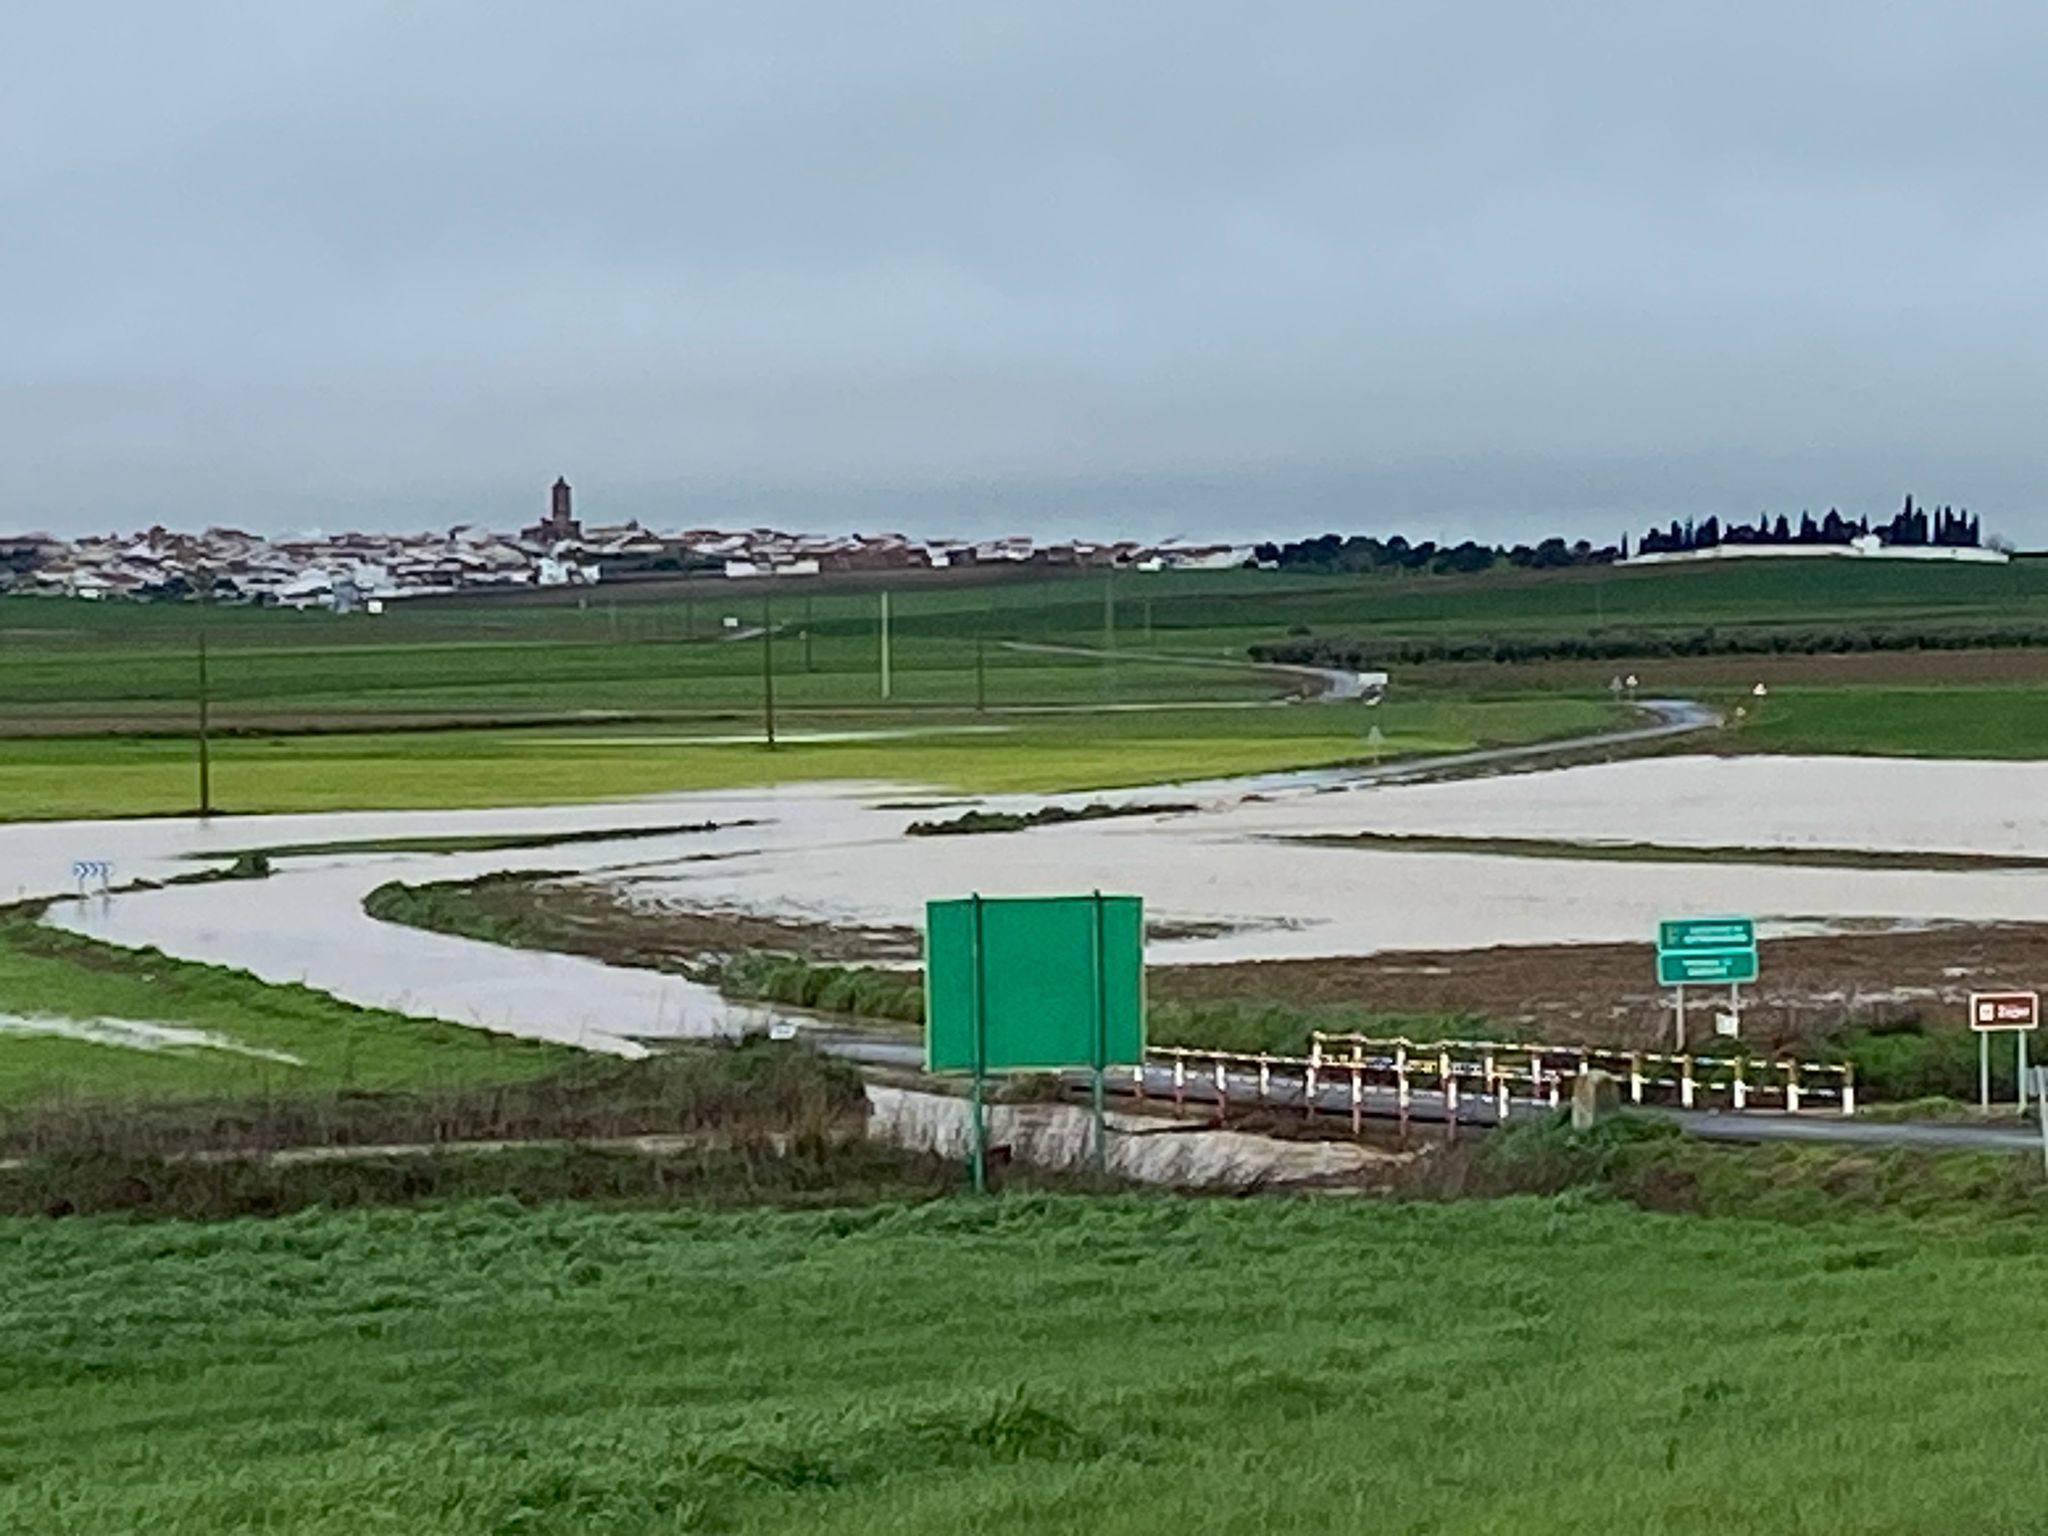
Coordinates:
1037 1364
56 776
1903 722
48 974
990 686
667 648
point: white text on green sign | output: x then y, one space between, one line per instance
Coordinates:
1703 966
1706 933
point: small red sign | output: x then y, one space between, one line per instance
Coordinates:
2005 1010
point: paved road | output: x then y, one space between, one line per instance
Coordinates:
1667 718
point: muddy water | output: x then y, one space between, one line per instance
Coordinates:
829 853
305 924
134 1035
1235 862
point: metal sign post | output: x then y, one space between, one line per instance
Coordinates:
2041 1102
1034 984
1705 951
1099 1041
1998 1012
977 1130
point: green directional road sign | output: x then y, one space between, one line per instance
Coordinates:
1703 967
1034 983
1024 983
1690 933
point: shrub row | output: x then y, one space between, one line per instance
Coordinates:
1614 645
1896 1062
1043 816
218 1188
864 992
754 1085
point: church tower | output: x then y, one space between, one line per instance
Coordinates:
561 523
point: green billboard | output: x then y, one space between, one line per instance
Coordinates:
1034 983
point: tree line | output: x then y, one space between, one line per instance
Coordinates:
1340 554
1337 554
1352 653
1911 527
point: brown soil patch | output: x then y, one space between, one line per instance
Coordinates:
1599 993
601 920
1607 993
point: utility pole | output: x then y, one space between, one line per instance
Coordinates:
807 633
980 675
205 746
768 668
885 642
202 581
1109 629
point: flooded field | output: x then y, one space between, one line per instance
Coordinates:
133 1035
1229 877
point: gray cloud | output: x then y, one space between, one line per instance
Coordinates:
1172 267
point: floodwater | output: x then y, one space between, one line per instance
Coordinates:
832 852
134 1035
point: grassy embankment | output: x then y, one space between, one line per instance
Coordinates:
332 1046
1041 1364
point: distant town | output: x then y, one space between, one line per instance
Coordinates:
363 571
350 572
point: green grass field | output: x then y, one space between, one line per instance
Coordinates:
1902 722
45 973
1044 1364
97 700
655 649
58 776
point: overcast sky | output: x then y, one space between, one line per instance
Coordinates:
1178 267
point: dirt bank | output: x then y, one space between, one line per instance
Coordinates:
1607 992
1810 986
